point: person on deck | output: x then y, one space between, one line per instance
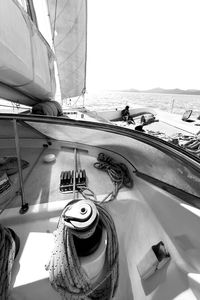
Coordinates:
125 114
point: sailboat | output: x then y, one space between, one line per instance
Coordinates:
89 210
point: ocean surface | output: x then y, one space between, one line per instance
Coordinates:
176 103
106 100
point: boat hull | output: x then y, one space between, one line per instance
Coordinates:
115 115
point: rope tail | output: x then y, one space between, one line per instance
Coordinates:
8 252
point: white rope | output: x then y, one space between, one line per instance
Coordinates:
7 255
66 274
118 173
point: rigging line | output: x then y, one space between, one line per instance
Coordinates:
74 174
74 24
75 102
86 47
17 147
11 106
54 22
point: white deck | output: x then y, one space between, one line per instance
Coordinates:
137 219
138 229
175 121
143 215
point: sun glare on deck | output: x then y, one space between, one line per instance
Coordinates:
36 252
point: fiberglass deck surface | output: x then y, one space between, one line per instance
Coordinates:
41 185
137 230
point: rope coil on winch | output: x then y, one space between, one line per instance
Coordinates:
65 272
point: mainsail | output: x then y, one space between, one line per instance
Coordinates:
69 31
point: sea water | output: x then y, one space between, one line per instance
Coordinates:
110 100
176 103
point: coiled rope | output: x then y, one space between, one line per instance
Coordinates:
65 272
118 173
7 256
193 145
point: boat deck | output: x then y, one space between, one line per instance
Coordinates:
138 228
137 231
42 180
175 121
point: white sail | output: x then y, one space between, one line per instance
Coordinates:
69 31
26 60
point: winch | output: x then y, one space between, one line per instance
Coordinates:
82 217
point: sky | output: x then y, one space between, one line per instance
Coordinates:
143 44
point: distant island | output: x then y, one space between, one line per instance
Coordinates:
165 91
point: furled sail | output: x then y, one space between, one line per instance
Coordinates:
26 60
69 30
